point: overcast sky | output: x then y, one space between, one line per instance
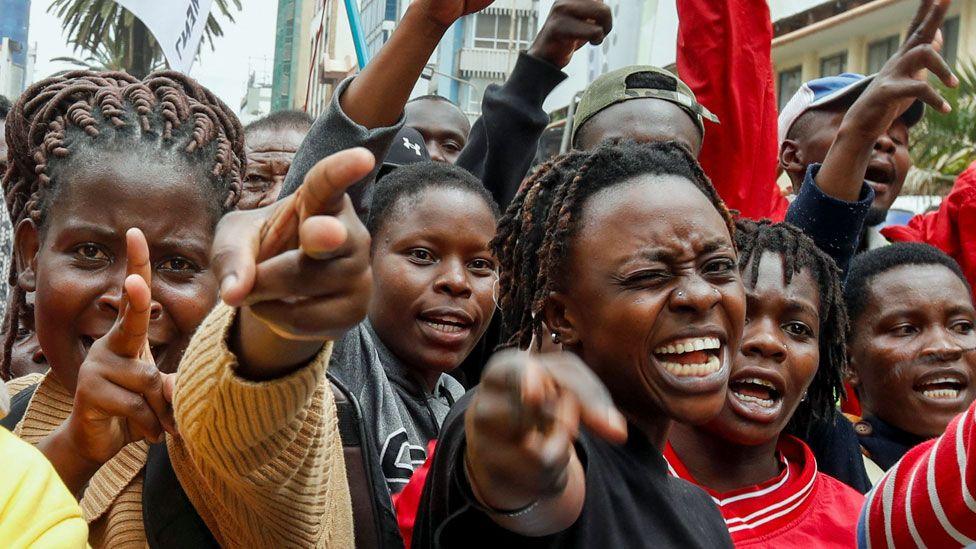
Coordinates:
248 43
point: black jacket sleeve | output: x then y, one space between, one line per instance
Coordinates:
835 225
503 142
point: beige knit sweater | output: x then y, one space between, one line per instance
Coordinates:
261 462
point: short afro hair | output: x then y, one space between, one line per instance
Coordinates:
872 263
433 97
281 120
412 180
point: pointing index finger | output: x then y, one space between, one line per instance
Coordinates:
137 255
596 406
129 336
327 181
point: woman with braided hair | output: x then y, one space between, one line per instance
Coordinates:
116 187
625 256
785 377
51 116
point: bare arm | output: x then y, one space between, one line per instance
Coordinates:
377 96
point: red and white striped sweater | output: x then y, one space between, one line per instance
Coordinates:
799 507
927 498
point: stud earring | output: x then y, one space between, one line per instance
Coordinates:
555 338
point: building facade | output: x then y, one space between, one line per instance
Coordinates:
257 99
292 53
379 18
15 55
814 39
481 49
333 55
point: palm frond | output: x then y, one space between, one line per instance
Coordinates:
945 145
93 24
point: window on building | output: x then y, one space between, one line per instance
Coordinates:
493 31
391 10
880 51
950 37
790 81
834 64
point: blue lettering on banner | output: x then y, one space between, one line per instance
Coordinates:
192 11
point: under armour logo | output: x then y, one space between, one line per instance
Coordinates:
412 146
399 459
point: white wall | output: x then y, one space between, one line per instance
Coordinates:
663 34
785 8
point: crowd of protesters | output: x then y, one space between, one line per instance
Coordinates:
386 327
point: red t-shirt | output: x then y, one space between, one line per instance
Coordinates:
800 507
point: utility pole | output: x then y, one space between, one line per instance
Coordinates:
511 38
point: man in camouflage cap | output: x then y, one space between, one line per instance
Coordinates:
642 103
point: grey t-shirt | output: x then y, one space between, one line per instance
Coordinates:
399 412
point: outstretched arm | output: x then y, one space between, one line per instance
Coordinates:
520 461
370 106
259 442
504 141
833 202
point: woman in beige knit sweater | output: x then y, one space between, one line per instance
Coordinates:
252 430
250 427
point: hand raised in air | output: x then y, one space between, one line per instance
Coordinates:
903 80
446 12
571 25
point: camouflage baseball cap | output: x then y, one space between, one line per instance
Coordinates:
636 82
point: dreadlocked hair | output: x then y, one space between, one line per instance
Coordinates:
534 236
798 252
167 111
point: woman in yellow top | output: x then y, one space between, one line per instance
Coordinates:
36 510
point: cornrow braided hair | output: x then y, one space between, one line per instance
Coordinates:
167 110
799 252
534 236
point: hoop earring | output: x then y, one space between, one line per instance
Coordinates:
494 291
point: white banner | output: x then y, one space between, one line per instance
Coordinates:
177 25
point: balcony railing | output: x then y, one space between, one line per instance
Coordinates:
505 6
486 63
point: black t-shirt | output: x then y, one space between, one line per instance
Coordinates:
631 501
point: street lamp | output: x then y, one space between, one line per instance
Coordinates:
429 72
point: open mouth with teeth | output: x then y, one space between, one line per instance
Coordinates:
757 399
947 387
880 175
756 391
447 325
690 357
